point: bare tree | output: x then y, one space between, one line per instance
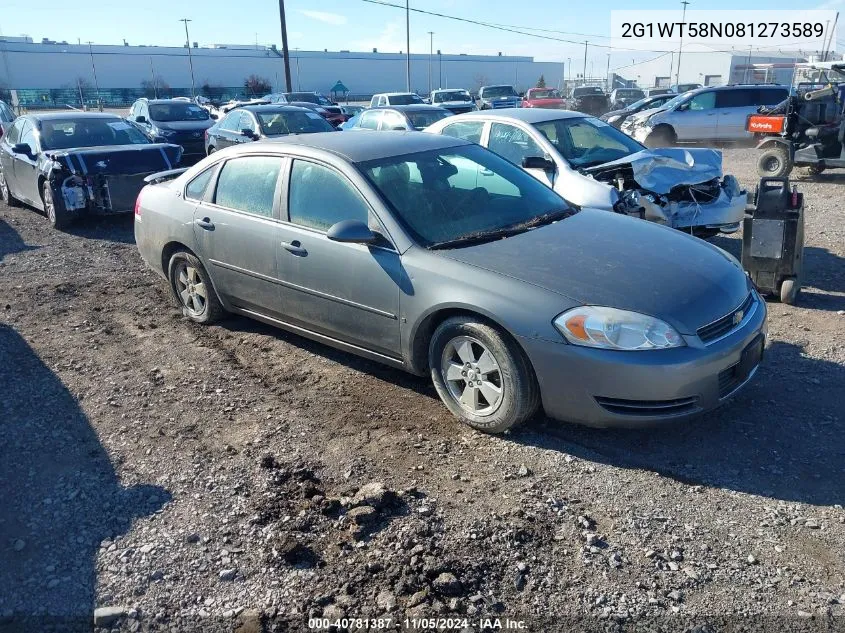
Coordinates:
257 86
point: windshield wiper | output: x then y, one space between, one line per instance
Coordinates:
480 237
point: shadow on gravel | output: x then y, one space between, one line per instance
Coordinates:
779 438
61 498
11 241
113 228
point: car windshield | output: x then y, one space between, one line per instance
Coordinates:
177 111
292 122
585 141
423 119
674 101
451 95
629 94
499 91
543 94
586 90
89 132
407 99
461 195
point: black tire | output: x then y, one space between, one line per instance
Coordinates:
662 136
185 286
774 162
54 208
5 194
210 150
789 290
815 170
519 394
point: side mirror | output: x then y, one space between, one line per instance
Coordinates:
22 148
538 162
683 107
248 133
351 231
140 119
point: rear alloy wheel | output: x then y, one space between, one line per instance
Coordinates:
55 210
481 375
192 288
774 162
5 193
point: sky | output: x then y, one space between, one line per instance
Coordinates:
356 24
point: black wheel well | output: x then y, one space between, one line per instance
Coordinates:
422 337
771 144
666 129
167 253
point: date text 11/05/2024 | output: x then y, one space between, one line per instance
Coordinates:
418 624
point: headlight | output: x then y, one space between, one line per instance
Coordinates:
164 133
610 328
614 118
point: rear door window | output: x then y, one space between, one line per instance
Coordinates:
736 98
467 130
249 184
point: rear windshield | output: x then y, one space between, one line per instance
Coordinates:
310 97
630 94
409 99
451 95
499 91
421 120
544 94
177 111
292 122
67 133
587 90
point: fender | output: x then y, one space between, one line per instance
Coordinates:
770 140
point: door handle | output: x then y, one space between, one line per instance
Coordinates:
295 247
204 223
485 172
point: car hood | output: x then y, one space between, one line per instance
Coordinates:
607 259
117 159
660 170
545 102
184 126
607 115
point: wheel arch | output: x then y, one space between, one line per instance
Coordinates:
420 337
770 142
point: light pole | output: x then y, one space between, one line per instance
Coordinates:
568 71
190 58
681 43
153 77
439 69
584 82
430 55
285 54
96 83
407 46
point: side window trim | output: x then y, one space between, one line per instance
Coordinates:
209 199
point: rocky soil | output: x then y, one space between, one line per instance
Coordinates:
160 475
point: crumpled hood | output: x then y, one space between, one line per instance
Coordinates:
659 170
642 115
607 259
117 159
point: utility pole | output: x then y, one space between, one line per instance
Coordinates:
430 55
439 69
568 72
407 46
747 66
584 76
607 75
285 54
190 58
681 43
153 77
96 83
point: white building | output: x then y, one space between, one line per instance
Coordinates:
32 69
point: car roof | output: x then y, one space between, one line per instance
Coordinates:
273 107
394 94
528 115
177 100
71 114
365 145
410 107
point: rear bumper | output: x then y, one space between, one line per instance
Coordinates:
606 388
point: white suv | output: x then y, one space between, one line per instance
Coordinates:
394 99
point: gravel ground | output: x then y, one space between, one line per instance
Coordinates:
237 477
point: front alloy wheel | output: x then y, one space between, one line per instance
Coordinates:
472 375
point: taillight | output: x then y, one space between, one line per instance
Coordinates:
138 204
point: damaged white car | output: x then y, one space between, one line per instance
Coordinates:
592 164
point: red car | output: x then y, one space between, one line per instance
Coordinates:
332 114
543 98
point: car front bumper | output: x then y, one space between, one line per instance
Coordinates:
605 388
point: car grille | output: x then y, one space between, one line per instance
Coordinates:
504 104
726 324
649 408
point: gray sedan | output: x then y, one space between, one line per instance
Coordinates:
436 256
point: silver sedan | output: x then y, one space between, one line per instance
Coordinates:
438 257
